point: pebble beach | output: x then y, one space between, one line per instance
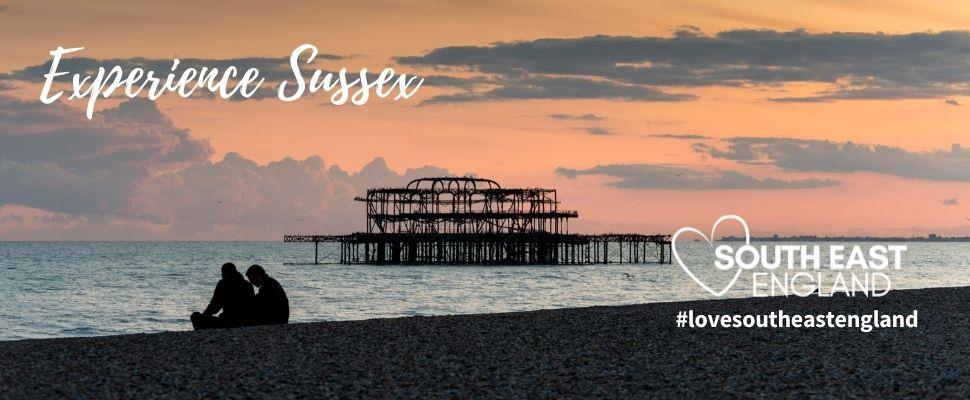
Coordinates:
594 352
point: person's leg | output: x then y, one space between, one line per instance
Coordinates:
197 320
202 321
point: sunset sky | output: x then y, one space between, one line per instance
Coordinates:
805 117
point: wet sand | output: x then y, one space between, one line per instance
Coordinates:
613 352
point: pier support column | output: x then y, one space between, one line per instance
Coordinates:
412 255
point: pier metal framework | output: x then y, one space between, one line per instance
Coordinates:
461 220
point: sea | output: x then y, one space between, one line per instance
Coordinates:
66 289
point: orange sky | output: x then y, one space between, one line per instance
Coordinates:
514 141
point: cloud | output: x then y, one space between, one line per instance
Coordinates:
131 173
803 99
377 174
873 89
827 156
247 199
52 160
854 65
952 201
685 136
951 102
596 130
577 117
11 218
234 191
658 176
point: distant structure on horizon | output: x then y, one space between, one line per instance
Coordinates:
461 220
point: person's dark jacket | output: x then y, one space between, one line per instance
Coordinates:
271 303
234 295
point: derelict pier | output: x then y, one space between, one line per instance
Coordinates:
453 220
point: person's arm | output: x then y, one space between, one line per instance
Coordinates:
216 303
259 307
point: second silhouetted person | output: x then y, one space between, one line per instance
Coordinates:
271 306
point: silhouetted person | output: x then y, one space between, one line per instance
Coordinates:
234 296
272 307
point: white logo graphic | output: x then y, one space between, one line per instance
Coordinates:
798 269
710 241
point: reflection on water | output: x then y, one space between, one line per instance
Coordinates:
85 289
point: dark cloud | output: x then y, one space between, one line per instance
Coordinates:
827 156
577 117
456 82
856 65
684 136
657 176
271 68
595 130
130 170
951 102
952 201
547 87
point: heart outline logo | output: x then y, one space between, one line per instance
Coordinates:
710 241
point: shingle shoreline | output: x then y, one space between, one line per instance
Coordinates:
597 352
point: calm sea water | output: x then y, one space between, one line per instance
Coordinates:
85 289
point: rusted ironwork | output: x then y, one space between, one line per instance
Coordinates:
460 220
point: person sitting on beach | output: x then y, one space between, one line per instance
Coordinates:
272 307
234 296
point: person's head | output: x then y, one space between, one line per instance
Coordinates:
229 269
256 275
